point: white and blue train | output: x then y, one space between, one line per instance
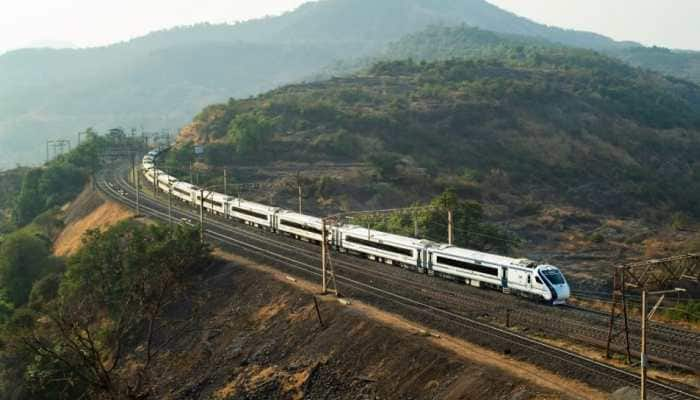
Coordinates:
510 275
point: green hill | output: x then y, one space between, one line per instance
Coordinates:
682 64
551 123
162 79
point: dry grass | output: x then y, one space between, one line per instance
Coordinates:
69 240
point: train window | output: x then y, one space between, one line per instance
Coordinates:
250 213
528 279
182 192
554 276
537 279
380 246
468 266
300 226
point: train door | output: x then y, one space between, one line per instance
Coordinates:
504 278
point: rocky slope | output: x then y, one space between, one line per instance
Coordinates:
261 339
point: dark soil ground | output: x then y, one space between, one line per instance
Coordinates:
261 339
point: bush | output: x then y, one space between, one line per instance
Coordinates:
24 258
597 238
250 132
679 221
689 312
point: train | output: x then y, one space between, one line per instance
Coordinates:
517 276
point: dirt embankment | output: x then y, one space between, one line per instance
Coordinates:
88 211
261 339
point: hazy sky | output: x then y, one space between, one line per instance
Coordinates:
667 23
670 23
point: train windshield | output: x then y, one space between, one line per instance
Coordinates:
554 276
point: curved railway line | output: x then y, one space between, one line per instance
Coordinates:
423 299
665 344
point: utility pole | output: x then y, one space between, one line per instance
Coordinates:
133 168
201 215
138 194
191 175
643 344
299 185
155 180
225 183
643 350
170 206
299 190
323 255
450 228
415 225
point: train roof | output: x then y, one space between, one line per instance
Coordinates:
300 218
185 186
221 197
250 205
473 255
383 237
163 177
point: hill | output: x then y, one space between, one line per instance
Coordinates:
465 41
549 124
682 64
162 79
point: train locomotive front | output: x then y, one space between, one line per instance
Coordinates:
554 282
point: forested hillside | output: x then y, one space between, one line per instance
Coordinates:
465 41
683 64
542 123
162 79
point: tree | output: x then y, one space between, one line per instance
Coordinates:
29 203
23 259
431 220
118 291
249 132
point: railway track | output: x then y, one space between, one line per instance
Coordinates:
439 308
665 345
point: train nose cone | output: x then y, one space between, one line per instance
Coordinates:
563 292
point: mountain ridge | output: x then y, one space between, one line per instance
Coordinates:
162 79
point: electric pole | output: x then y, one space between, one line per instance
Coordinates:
170 206
415 225
201 215
450 227
133 168
643 340
299 190
323 255
643 349
138 194
155 180
225 183
299 185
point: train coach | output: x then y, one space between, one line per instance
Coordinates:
511 275
215 203
299 226
254 214
380 246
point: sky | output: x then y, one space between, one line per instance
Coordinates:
666 23
81 23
